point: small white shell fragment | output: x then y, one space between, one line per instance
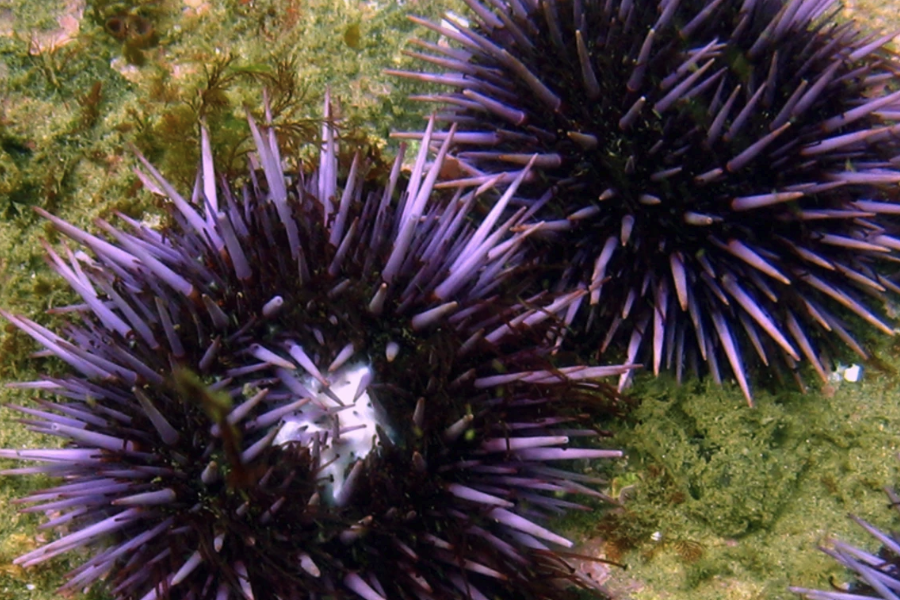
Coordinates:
853 373
850 374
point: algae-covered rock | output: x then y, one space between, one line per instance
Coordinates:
736 466
10 178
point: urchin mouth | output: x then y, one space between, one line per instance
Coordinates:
340 425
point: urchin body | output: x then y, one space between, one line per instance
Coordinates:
291 392
723 174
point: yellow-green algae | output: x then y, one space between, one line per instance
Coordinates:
721 501
724 501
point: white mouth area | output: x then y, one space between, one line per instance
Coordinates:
343 432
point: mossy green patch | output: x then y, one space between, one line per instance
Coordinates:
734 466
721 500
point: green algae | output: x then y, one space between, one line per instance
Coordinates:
722 500
734 466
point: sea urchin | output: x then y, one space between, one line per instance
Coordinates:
305 389
723 173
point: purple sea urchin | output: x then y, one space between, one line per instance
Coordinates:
723 172
878 575
304 390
